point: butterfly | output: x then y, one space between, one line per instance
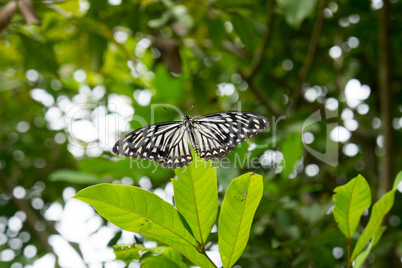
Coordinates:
212 136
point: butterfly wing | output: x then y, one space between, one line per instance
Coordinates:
215 135
167 143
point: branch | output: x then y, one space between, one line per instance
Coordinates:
229 46
308 61
259 93
386 99
259 55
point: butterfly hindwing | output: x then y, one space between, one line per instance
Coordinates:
215 135
167 143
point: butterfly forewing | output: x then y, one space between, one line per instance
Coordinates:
215 135
166 143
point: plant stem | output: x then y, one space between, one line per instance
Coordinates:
349 244
206 255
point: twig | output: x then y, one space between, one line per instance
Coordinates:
229 46
206 255
308 61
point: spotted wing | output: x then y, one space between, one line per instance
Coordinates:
215 135
167 143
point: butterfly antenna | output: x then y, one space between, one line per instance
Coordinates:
191 108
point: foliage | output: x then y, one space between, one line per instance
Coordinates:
351 200
76 75
186 228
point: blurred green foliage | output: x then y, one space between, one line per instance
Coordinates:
351 200
258 52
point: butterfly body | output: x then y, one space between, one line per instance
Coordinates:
212 136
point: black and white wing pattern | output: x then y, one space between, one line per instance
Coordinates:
215 135
167 143
212 136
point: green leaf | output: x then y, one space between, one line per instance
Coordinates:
398 180
380 208
362 256
292 149
128 252
196 196
136 210
295 11
174 256
73 176
246 30
237 212
351 200
216 31
69 6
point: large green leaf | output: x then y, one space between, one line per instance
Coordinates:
292 149
380 208
351 200
136 210
295 11
196 196
362 256
237 212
